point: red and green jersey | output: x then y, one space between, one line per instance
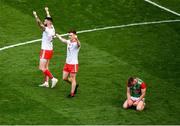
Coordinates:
136 89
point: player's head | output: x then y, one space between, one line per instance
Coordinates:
48 21
72 34
132 81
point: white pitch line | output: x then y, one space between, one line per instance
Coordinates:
96 29
129 25
19 44
23 43
164 8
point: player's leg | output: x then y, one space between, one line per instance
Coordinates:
140 106
66 77
66 71
48 55
73 83
127 104
47 67
42 67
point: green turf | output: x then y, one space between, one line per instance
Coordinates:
107 58
170 5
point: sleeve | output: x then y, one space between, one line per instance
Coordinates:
68 41
143 85
64 40
46 29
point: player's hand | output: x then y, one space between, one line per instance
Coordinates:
54 36
34 13
136 103
57 34
46 9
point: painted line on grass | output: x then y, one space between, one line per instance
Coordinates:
164 8
96 29
129 25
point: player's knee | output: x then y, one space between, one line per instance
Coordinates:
139 108
42 69
125 105
73 78
129 103
65 78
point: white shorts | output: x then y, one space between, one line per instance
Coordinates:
43 60
136 99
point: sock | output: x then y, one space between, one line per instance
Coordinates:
46 78
72 94
48 73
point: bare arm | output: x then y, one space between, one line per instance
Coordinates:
60 38
128 93
47 12
143 93
78 42
40 24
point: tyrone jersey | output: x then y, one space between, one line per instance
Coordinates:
136 89
47 38
72 52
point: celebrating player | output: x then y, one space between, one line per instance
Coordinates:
136 90
71 66
46 48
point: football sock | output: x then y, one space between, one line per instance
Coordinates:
48 73
46 78
72 94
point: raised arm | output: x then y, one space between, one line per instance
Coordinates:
60 38
78 42
40 24
47 12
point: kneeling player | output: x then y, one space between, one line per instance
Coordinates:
136 90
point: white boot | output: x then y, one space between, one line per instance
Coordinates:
54 82
45 84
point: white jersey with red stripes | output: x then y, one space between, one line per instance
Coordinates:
72 52
47 38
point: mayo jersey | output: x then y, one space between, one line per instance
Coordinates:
72 52
136 89
47 38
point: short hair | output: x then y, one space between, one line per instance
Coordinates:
72 31
49 19
130 80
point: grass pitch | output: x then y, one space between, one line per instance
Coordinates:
107 58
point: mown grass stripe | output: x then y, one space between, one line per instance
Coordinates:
96 29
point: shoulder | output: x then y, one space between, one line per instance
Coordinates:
68 41
46 29
143 85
